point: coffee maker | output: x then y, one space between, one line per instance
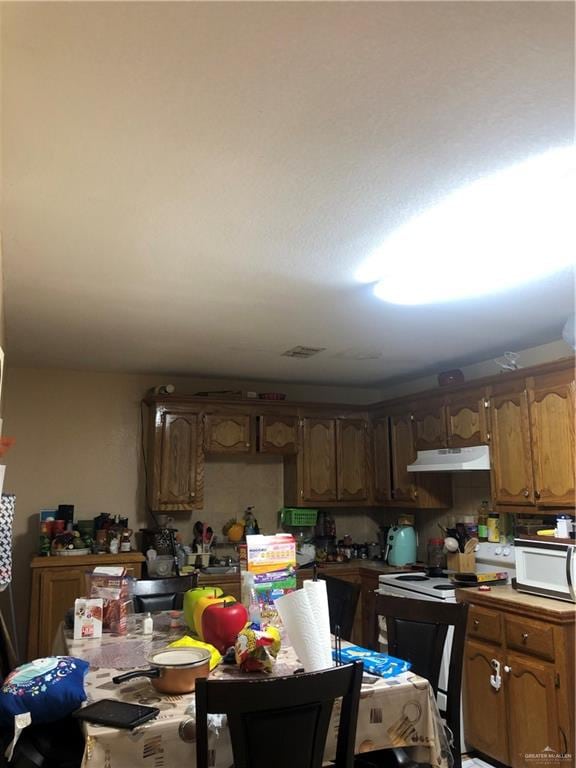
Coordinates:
383 541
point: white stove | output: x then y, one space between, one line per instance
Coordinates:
417 584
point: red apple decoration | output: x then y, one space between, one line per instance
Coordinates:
221 623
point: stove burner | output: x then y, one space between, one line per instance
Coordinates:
443 586
412 577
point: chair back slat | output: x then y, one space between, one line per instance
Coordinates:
162 594
342 603
417 631
282 721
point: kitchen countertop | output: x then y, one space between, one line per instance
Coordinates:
507 598
353 567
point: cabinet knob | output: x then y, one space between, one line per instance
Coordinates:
536 494
507 668
476 623
247 445
192 494
526 493
524 636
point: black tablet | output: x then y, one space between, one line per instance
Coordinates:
118 714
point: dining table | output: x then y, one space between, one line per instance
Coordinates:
400 711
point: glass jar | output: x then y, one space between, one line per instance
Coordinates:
436 557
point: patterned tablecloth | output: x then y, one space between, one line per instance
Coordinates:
398 712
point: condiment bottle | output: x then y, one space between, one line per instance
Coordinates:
494 528
147 624
483 521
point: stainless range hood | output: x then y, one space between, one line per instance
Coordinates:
452 460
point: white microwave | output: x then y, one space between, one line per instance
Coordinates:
546 568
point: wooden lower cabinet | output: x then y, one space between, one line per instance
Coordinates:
56 583
484 706
532 714
530 709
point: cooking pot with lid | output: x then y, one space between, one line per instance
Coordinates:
172 670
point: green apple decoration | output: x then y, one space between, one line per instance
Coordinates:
191 600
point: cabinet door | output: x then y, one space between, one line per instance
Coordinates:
511 455
278 434
176 477
484 706
382 467
59 587
466 418
319 459
532 714
352 457
429 425
552 423
227 433
403 453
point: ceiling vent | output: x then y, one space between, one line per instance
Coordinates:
303 351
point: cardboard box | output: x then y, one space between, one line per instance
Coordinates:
88 613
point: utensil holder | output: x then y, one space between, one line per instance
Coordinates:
461 563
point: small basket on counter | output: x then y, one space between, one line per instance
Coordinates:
292 516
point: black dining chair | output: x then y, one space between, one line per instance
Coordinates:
417 631
282 721
161 594
342 602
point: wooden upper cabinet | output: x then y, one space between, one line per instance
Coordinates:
429 425
512 481
467 419
176 465
318 459
551 403
278 433
382 467
403 453
228 433
352 459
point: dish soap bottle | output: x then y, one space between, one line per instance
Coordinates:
483 521
250 523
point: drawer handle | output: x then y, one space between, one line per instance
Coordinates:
524 636
476 623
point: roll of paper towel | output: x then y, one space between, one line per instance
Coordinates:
304 614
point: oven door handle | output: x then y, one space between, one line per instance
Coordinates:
569 558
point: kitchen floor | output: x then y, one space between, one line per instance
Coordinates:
475 762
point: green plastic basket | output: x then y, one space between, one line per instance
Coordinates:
298 517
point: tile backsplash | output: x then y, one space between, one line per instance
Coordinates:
469 489
233 483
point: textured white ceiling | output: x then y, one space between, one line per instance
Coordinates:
188 187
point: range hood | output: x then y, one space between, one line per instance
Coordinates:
451 459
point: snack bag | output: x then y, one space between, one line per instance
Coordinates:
256 650
190 642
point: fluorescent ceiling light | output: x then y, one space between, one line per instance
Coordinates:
509 228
